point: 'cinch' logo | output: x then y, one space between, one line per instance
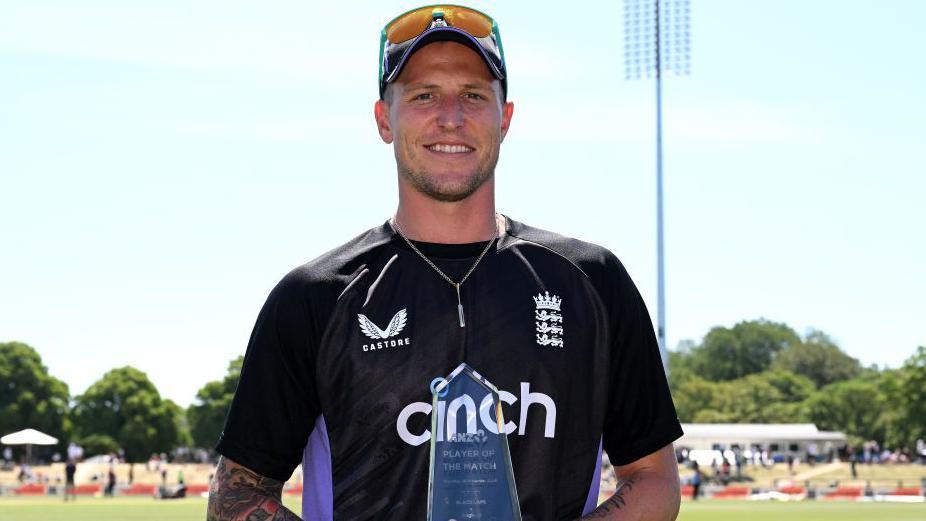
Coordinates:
447 428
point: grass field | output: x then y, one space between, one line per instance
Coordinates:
144 509
881 476
800 511
108 509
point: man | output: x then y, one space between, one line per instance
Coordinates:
110 481
554 322
69 488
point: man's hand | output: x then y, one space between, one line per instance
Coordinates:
648 490
239 494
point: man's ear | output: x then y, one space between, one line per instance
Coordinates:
507 112
381 113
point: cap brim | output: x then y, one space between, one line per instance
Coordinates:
442 34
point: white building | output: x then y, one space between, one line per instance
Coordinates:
782 439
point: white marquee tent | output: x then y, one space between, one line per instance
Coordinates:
28 437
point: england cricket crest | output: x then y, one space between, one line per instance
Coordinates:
548 319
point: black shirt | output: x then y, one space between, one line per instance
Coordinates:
555 323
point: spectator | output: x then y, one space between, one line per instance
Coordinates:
738 459
110 482
69 471
852 461
812 451
25 473
696 481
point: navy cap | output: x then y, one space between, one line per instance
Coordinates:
395 56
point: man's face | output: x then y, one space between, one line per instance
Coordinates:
446 119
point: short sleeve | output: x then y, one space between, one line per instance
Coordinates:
275 404
640 417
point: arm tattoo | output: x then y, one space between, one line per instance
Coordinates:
615 502
238 494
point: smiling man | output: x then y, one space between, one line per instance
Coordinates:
338 366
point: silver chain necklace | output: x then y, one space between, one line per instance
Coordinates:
456 285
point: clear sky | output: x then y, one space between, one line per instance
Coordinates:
163 164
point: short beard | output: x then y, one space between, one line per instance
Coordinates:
425 183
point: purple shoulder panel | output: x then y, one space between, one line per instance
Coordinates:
317 489
591 502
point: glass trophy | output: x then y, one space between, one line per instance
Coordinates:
471 475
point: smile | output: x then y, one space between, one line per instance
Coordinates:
449 149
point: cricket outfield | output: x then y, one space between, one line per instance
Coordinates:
193 509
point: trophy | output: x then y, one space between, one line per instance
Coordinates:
471 478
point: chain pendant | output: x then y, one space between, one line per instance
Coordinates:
456 285
460 306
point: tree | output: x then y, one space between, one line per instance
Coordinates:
694 396
29 396
852 406
904 416
751 399
772 396
680 370
747 348
794 388
180 423
819 359
99 444
206 416
127 407
894 412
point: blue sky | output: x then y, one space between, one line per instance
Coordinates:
163 164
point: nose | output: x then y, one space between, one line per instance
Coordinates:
450 113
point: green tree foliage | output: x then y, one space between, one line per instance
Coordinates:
794 388
897 432
852 406
747 348
750 400
904 390
180 423
762 372
98 444
769 397
206 415
694 395
819 359
127 407
680 367
29 396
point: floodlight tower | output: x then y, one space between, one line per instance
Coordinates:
657 39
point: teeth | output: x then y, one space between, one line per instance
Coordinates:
450 149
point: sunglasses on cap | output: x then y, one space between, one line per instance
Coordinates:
414 29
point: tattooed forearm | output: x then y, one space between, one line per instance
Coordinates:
615 502
238 494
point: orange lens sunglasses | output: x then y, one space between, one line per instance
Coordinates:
411 24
